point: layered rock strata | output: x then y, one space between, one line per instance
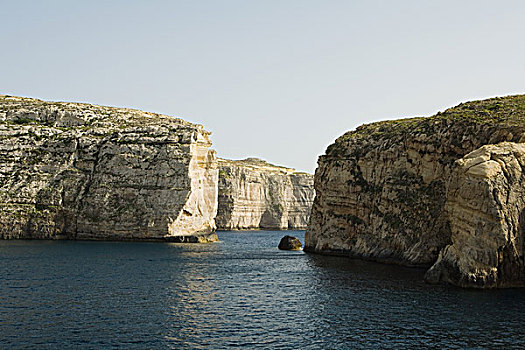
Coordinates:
392 191
79 171
486 211
254 194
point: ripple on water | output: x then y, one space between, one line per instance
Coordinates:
240 293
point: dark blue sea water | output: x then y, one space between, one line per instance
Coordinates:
240 293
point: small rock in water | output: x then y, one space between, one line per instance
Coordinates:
290 243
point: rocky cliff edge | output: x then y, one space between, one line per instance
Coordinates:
80 171
411 192
254 194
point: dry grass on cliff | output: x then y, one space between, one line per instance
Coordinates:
509 110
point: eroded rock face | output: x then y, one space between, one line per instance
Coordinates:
381 190
254 194
486 211
79 171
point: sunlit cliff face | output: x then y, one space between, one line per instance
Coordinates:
384 192
254 194
91 172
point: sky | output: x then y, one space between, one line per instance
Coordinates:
274 79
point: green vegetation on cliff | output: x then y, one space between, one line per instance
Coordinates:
507 111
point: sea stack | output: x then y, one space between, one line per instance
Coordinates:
254 194
444 191
80 171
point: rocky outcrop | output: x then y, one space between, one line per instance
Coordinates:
385 192
290 243
486 211
79 171
254 194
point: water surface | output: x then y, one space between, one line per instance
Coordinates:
240 293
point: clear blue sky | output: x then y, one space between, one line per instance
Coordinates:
277 79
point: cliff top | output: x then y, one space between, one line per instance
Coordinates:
508 111
259 164
30 111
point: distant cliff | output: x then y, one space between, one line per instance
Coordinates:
255 195
411 192
79 171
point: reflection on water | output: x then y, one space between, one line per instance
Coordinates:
240 293
189 293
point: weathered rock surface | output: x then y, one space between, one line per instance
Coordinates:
254 194
385 192
79 171
290 243
486 211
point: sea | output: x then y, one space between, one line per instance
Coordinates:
239 293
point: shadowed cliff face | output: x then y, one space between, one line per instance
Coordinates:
382 191
80 171
254 194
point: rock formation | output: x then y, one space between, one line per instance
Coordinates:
79 171
486 211
399 191
290 243
254 195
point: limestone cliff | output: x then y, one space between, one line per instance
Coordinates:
80 171
392 191
486 210
254 194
